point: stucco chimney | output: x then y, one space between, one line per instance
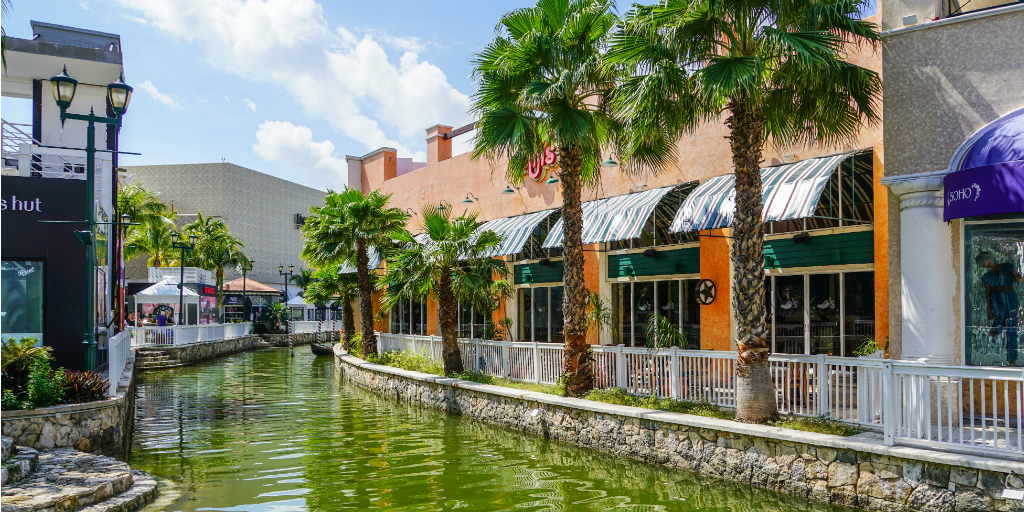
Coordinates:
438 148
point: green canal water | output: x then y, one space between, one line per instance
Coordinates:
264 432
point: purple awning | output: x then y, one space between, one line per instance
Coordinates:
985 190
987 171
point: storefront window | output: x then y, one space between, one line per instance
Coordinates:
540 314
831 314
409 316
634 304
22 299
993 264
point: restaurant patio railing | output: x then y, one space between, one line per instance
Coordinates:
179 335
947 407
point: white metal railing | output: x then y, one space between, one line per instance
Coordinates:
301 326
178 335
119 348
968 408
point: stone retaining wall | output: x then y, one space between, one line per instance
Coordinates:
854 471
103 427
190 354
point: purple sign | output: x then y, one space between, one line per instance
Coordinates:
985 190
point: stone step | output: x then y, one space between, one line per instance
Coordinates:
142 491
8 447
149 356
68 480
19 466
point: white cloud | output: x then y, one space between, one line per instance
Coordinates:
249 104
153 92
334 75
286 143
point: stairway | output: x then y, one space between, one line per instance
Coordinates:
154 360
68 480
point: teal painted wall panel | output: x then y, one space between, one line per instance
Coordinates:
539 273
838 249
676 261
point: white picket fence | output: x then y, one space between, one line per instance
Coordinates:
180 335
119 348
946 407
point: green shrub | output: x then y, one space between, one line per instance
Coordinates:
822 424
408 361
618 396
84 387
483 378
45 386
10 401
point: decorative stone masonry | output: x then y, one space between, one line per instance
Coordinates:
855 471
102 427
165 357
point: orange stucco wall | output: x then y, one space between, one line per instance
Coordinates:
881 254
715 332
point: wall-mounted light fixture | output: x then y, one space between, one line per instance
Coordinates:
470 199
509 189
801 238
544 262
650 253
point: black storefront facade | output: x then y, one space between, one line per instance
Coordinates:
44 266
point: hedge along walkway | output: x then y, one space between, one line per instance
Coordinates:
856 471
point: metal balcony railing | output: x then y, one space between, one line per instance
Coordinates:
23 156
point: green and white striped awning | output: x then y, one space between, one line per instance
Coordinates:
789 191
615 218
373 264
515 231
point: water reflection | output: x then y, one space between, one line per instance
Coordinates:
262 432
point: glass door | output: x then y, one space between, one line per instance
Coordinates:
823 314
788 312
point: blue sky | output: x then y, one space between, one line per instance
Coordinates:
285 87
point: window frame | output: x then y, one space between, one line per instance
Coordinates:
632 304
1001 219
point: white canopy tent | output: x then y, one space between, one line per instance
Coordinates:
166 292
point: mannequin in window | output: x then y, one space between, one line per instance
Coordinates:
1001 299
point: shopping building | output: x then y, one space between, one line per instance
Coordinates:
954 135
45 271
265 212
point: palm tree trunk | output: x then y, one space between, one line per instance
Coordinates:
755 394
450 355
348 321
577 367
365 299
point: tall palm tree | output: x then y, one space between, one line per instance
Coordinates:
330 286
342 231
303 279
152 238
141 204
541 82
775 69
448 264
216 249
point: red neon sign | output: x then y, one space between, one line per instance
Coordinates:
536 167
209 290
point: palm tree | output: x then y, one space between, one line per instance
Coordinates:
541 82
327 286
342 231
303 279
775 70
141 204
216 249
152 238
448 264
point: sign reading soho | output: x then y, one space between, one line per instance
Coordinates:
1001 184
23 205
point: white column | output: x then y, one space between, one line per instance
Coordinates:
926 270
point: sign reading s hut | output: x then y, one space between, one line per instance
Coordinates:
43 288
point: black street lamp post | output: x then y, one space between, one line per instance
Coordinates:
119 94
184 246
291 270
245 271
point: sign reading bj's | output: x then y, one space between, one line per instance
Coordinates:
537 168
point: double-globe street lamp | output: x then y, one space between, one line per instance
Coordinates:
189 246
291 270
119 94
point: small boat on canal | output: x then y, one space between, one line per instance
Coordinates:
321 350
